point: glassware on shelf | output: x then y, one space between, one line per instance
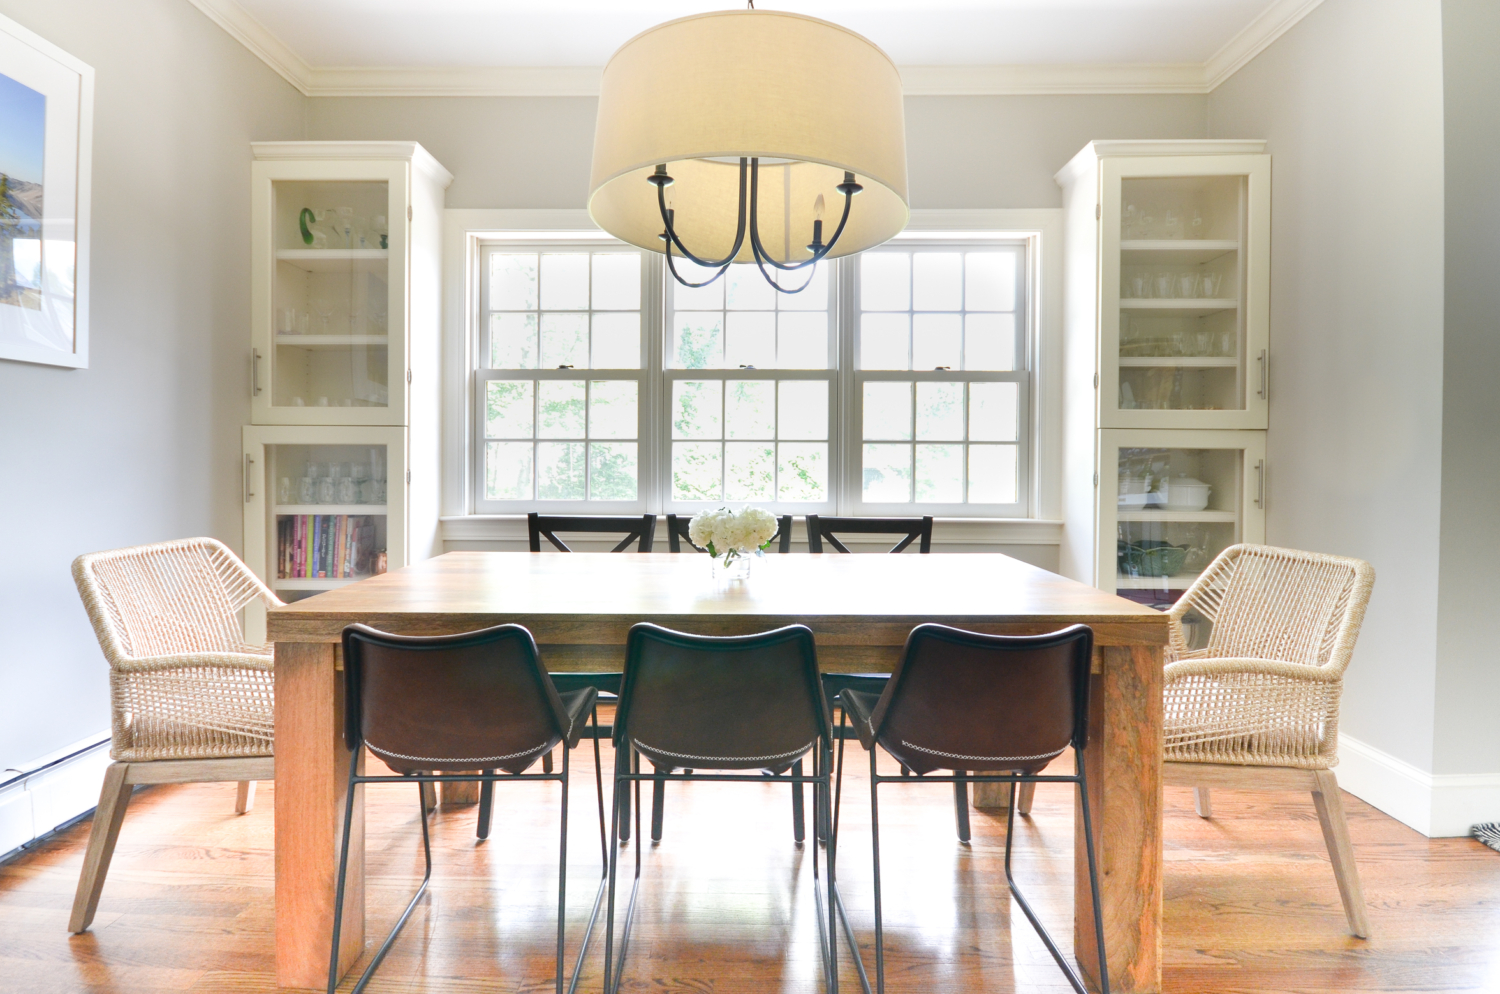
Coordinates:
382 233
1140 285
1212 284
327 489
1171 223
1195 224
348 489
1187 284
284 490
1161 285
307 489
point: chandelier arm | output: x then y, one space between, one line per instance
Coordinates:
671 232
722 269
760 250
772 280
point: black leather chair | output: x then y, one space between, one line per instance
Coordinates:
987 709
727 704
637 529
458 703
677 533
821 527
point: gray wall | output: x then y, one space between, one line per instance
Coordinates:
1468 672
142 445
962 151
1351 101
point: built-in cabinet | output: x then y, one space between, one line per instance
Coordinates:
341 461
1167 356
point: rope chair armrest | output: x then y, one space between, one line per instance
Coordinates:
195 660
1226 666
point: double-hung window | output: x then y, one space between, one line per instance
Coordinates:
897 382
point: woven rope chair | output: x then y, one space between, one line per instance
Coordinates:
190 702
1257 706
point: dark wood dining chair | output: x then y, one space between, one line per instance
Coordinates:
985 709
820 528
637 529
731 705
677 534
435 708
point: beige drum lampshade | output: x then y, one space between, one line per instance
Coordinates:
809 98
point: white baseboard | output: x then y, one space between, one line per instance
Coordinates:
1438 806
54 794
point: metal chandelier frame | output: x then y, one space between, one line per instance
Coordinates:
749 170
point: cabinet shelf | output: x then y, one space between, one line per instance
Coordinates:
1166 514
331 341
331 260
1189 250
1181 581
330 509
1177 306
1194 361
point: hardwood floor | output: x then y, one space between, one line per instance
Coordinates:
726 901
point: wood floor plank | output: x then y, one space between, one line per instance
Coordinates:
726 905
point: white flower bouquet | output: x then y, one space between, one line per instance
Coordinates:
732 535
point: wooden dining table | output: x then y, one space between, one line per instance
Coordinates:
580 606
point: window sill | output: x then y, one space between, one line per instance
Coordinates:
948 534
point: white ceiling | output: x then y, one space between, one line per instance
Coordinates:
472 46
367 33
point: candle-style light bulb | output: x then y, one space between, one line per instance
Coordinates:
817 242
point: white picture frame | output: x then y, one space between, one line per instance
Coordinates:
46 148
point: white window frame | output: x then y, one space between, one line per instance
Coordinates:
645 376
468 230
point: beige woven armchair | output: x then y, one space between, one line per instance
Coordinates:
1256 705
190 701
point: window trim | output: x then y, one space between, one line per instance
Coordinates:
466 228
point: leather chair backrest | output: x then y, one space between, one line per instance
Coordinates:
729 703
479 700
964 701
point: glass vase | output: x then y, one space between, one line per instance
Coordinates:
731 566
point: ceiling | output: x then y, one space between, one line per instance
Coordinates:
390 46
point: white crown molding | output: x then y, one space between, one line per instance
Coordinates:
1254 38
249 32
583 81
936 81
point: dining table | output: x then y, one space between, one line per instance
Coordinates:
580 606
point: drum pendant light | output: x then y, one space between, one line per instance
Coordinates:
750 136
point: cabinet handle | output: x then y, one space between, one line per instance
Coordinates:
249 475
1262 360
1260 484
255 372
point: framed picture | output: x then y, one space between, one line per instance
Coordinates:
46 131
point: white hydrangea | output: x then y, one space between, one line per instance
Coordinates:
726 532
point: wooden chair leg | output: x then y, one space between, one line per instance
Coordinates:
1023 798
114 798
1203 802
244 798
1330 806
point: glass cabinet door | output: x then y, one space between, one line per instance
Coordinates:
325 507
329 336
1185 292
1175 499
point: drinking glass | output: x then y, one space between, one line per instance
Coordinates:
348 490
1212 284
1226 342
284 490
307 490
1140 285
1187 284
1203 340
1162 285
1171 224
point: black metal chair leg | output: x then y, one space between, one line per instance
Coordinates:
799 819
625 800
486 806
547 763
562 873
961 805
875 850
390 939
338 893
658 800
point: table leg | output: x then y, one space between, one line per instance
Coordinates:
1125 796
312 770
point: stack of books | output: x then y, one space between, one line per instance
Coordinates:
318 546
